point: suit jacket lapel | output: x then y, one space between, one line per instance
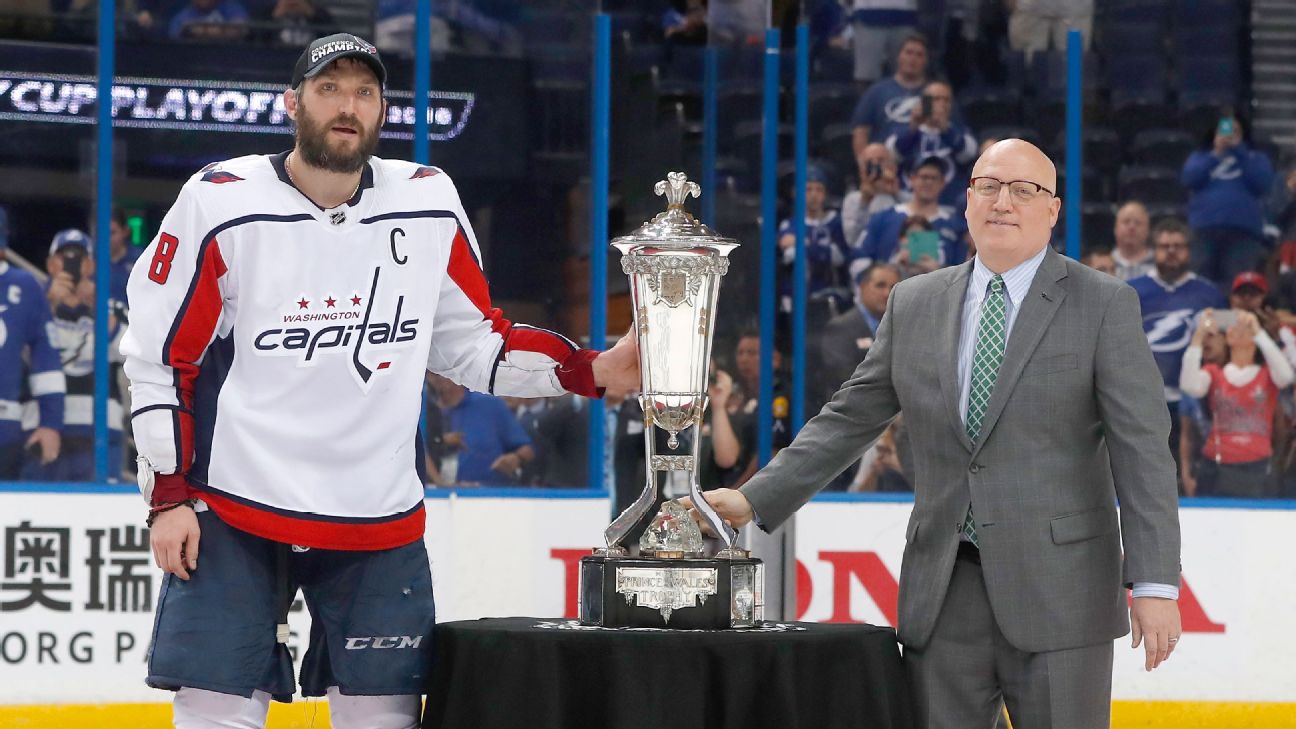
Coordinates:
1037 310
951 323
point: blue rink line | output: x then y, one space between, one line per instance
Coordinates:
514 492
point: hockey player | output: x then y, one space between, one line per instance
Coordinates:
282 322
26 349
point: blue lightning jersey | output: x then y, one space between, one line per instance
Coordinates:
72 332
1170 317
29 363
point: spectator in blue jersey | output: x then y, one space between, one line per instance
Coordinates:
1228 183
123 255
1172 297
882 238
885 108
481 436
880 29
825 243
25 349
71 298
934 132
210 20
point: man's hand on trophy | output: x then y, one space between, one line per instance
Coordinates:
730 504
618 368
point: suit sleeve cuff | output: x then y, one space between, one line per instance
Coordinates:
1155 589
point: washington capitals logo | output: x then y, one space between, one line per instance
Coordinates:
354 327
422 172
219 177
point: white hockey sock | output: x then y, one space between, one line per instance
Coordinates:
373 712
202 709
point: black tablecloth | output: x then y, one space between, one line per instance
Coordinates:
537 673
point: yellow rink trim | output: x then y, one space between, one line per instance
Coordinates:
314 715
300 714
1202 714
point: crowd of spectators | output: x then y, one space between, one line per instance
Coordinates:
47 352
477 26
1216 274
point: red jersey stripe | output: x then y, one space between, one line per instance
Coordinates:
318 534
198 319
574 372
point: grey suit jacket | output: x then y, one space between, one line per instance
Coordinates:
1077 419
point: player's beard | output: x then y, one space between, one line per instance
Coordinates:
315 150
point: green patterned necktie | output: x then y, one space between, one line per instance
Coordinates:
986 359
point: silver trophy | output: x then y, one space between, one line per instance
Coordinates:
675 265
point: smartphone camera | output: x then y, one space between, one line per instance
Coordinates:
926 106
872 170
72 258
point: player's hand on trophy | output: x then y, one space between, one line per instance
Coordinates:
730 504
618 367
175 536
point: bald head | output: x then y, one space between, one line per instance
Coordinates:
1012 223
1132 226
1019 158
876 152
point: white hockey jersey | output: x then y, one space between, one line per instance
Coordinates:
276 351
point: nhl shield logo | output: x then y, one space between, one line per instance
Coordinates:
337 217
673 288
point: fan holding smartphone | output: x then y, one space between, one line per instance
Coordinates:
71 269
71 299
1243 398
935 131
1227 180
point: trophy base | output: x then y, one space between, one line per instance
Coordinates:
692 593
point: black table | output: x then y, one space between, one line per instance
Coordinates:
540 673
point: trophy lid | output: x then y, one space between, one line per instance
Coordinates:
675 227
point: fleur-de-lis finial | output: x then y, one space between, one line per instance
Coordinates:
677 188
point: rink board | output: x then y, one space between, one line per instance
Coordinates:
78 582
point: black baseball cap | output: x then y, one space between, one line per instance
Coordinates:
323 51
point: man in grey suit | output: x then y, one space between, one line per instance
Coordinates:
1033 404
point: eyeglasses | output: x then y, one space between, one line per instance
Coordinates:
1022 191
